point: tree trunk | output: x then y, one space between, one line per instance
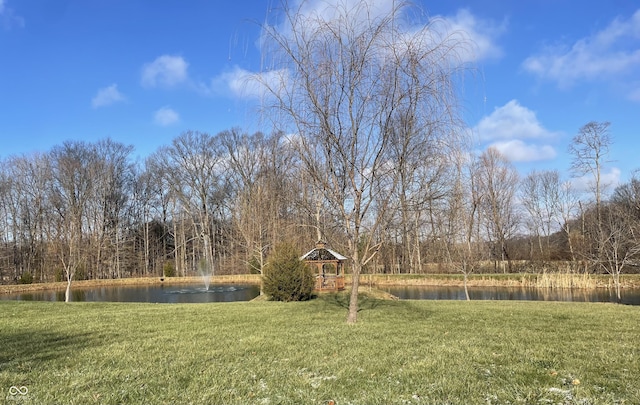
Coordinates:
352 315
466 289
67 293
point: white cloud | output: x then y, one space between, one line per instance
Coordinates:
107 96
464 37
480 34
165 71
311 12
518 151
248 85
608 53
634 93
165 116
476 36
511 121
8 19
608 181
507 128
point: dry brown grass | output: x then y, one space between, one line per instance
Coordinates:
541 280
566 280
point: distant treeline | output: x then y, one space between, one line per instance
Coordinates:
220 203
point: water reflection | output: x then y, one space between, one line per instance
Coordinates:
154 294
629 297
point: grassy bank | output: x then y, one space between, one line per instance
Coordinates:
400 352
540 280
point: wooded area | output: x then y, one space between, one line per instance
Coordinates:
90 210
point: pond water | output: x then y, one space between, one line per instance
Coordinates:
196 293
629 296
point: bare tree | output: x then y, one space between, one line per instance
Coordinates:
497 182
158 200
566 209
628 195
193 166
255 195
541 196
343 77
425 170
112 182
590 149
620 241
30 178
463 239
73 169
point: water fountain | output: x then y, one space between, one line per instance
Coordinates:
206 272
206 278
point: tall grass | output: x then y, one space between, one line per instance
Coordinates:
565 280
400 352
537 280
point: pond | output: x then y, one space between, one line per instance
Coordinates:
196 293
629 296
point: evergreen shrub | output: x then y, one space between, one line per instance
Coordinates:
286 277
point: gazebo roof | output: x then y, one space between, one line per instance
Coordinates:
322 253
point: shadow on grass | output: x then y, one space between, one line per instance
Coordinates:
341 299
25 349
370 302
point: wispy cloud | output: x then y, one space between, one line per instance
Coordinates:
8 19
165 71
507 128
165 116
475 38
244 84
517 150
107 96
481 34
609 53
608 181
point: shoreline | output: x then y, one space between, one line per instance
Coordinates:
80 284
529 280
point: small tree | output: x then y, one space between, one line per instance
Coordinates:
286 277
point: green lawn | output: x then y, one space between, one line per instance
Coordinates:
400 352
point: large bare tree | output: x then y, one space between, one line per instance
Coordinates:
498 181
541 198
343 78
590 149
195 174
73 170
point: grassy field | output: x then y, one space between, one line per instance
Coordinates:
400 352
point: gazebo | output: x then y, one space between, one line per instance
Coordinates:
328 266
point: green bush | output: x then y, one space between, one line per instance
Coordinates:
25 278
168 270
286 277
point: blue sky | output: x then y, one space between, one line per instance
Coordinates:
142 72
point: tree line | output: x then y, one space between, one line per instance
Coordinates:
89 211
